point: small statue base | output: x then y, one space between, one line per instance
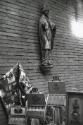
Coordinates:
46 65
46 68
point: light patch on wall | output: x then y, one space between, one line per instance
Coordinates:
77 28
1 94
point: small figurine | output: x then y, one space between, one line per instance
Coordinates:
47 31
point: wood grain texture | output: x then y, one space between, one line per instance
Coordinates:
19 41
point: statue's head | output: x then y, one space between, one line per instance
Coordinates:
45 10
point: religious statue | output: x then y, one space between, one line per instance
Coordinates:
47 31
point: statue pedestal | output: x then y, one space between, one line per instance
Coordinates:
46 65
46 68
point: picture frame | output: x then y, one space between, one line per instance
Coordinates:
74 108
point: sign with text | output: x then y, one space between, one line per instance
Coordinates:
56 87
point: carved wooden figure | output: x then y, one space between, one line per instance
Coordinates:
47 31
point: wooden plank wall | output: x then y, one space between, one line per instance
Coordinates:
19 41
68 48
